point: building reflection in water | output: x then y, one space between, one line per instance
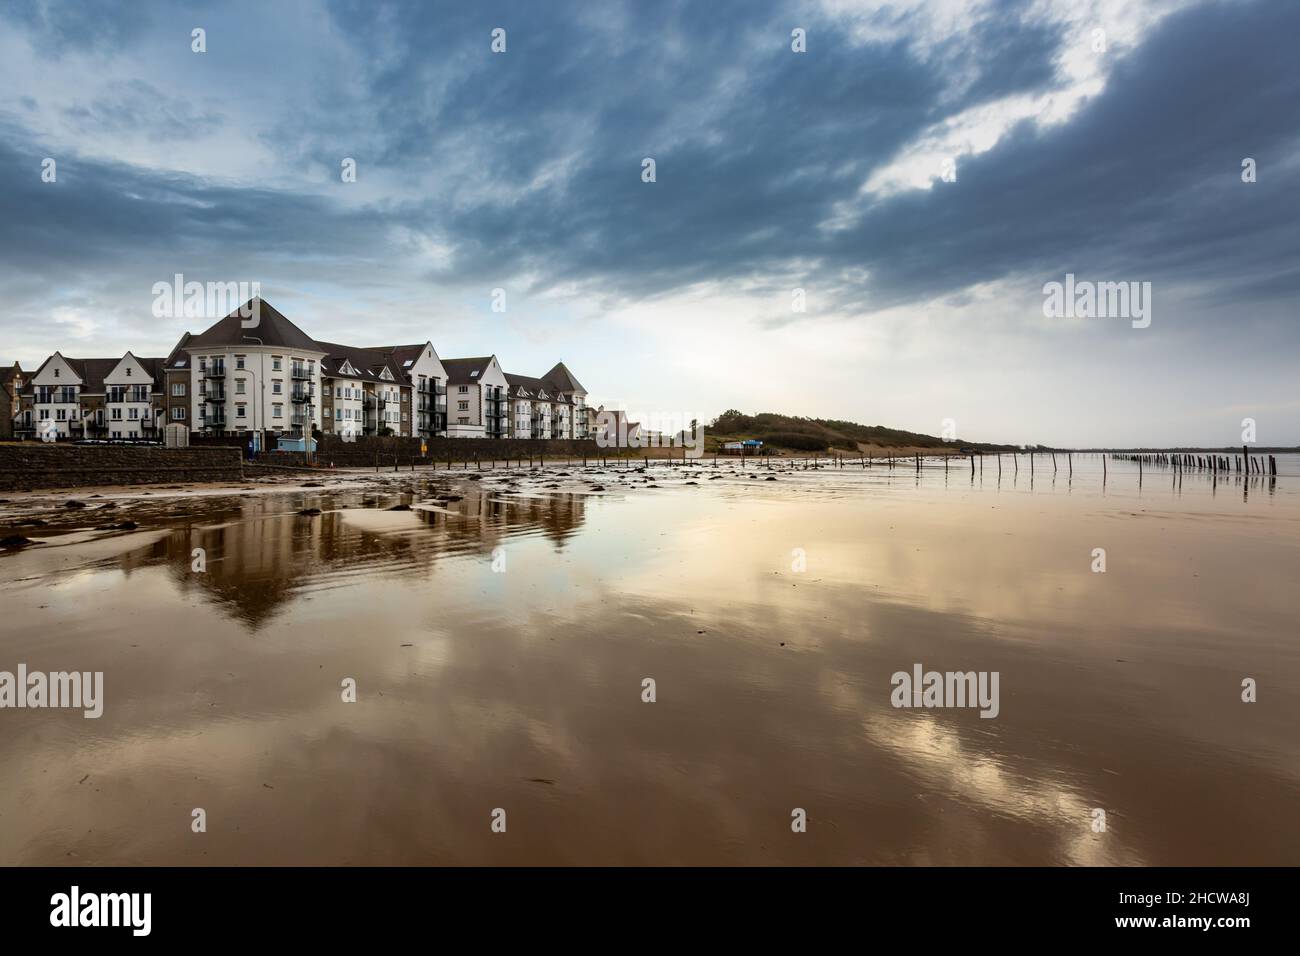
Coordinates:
259 555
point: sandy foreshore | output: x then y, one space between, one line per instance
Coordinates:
501 630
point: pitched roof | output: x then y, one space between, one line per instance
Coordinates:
272 329
402 354
402 357
561 379
460 371
368 363
526 384
179 358
7 376
92 371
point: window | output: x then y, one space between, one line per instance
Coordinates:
277 363
239 386
241 411
326 390
239 361
462 421
62 414
277 411
135 414
116 414
462 406
463 389
56 373
178 389
178 414
338 414
277 387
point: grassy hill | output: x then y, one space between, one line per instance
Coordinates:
821 434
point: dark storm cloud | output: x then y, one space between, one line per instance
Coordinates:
757 150
1143 183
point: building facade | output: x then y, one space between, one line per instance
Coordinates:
420 367
477 403
12 380
256 372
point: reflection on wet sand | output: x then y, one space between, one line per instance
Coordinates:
264 554
520 687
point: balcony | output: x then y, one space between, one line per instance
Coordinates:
303 395
301 372
439 389
215 398
215 371
214 422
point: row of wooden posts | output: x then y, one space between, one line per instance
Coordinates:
1216 464
1179 461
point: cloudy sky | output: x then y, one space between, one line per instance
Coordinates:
775 170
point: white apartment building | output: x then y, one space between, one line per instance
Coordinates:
530 407
573 421
97 398
424 372
56 406
255 378
255 371
477 404
130 389
344 396
553 406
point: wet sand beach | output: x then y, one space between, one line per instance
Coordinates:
499 633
